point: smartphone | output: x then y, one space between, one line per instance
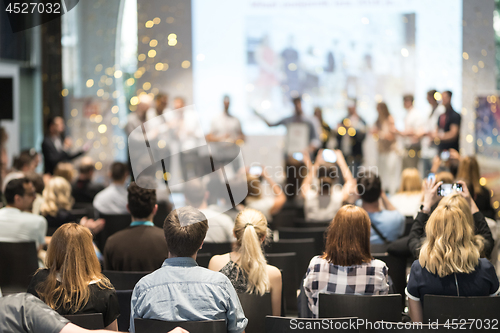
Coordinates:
446 189
431 177
445 155
255 170
329 156
298 156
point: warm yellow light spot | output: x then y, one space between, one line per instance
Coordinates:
118 74
465 55
152 53
469 138
116 94
100 92
411 153
186 64
493 99
479 142
496 204
96 144
141 57
292 67
146 85
159 66
145 39
481 64
166 176
489 140
165 66
437 96
161 144
104 140
342 130
132 108
115 121
482 181
172 42
109 81
475 69
156 20
79 143
102 156
90 83
98 165
98 68
74 112
102 128
494 132
347 122
98 118
172 36
170 20
115 109
153 43
109 71
484 53
149 24
64 92
130 81
134 100
92 117
90 135
437 141
239 142
351 131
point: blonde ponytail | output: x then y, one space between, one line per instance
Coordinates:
250 227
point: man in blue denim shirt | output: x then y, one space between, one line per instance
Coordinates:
181 290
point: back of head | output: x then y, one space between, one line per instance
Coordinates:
119 171
23 161
445 177
71 258
185 229
195 193
408 98
348 237
410 181
13 188
86 167
37 181
468 171
56 196
254 186
325 185
65 170
369 187
431 94
141 201
250 229
451 245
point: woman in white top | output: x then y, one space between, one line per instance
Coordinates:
407 201
322 196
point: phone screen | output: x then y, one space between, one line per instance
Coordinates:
255 170
329 156
298 156
447 189
431 177
445 155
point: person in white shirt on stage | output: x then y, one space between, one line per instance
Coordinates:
414 122
225 127
160 106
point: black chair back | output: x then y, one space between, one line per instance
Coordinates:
216 248
79 213
154 326
408 224
307 252
300 223
295 233
89 321
124 280
285 218
114 223
378 248
124 298
287 263
256 308
370 308
461 309
164 209
203 259
292 325
18 263
397 271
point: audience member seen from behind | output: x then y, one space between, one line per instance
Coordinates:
449 263
57 203
113 199
84 189
73 283
431 200
409 198
256 199
65 170
296 172
246 266
347 266
468 171
141 246
323 197
16 223
39 185
181 290
387 223
220 225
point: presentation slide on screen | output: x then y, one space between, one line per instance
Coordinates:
263 53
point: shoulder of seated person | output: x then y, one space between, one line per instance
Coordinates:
273 270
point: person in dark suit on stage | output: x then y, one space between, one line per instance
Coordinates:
55 148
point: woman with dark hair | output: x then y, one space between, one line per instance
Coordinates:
347 266
73 283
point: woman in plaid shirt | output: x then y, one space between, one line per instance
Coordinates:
346 267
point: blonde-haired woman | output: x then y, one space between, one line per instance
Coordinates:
449 262
409 197
73 283
246 266
57 203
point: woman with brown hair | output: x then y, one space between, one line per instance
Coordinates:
246 266
347 266
73 283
